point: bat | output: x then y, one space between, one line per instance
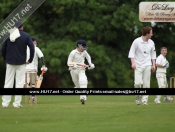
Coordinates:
73 63
40 79
79 64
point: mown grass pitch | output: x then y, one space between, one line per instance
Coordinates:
100 114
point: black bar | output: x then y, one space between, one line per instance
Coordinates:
88 91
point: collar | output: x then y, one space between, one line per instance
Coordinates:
78 51
162 56
141 40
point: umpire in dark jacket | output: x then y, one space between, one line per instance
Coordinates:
14 53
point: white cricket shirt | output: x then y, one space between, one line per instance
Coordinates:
161 60
79 57
142 52
34 64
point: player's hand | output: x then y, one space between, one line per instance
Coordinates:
83 65
44 68
27 62
133 66
166 64
91 66
75 66
153 68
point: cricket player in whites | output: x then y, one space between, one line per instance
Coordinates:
143 55
33 67
162 64
77 66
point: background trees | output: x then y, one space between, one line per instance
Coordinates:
108 26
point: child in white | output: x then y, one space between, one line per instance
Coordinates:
38 54
76 63
33 66
162 64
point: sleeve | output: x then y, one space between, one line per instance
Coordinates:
88 57
132 49
32 49
39 53
158 60
153 52
4 47
70 57
42 61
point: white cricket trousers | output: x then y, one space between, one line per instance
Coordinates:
162 82
142 78
79 79
17 73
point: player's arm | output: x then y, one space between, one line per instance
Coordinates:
88 57
153 65
32 49
4 46
3 49
158 63
132 54
40 54
133 65
161 65
42 61
153 57
153 62
43 64
70 59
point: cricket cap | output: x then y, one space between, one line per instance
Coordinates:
18 24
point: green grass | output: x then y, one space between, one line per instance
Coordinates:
99 114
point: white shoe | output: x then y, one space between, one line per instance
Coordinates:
165 99
168 99
157 101
82 101
20 106
144 103
4 106
138 102
33 99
